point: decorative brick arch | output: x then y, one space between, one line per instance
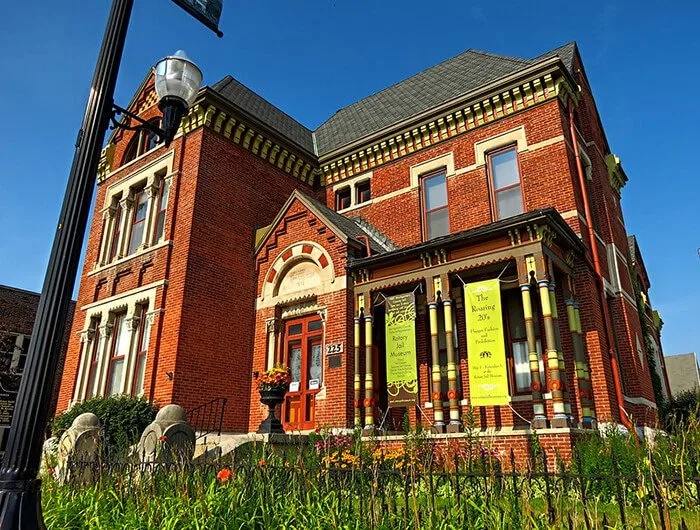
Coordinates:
293 255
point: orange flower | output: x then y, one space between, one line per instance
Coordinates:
224 475
262 463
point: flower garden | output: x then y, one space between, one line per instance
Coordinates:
345 481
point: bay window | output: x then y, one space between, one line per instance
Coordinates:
506 190
436 220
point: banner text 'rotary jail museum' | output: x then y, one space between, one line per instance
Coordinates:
486 351
401 366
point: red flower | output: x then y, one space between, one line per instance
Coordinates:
224 475
262 463
163 439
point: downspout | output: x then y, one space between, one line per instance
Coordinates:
366 238
599 276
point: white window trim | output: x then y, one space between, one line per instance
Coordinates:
131 303
352 184
446 161
145 177
514 136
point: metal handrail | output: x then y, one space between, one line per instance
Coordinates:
208 417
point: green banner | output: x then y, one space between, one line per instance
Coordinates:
486 349
401 367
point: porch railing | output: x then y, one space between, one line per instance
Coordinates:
207 418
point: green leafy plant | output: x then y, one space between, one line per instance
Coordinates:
123 419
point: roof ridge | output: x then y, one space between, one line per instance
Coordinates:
498 56
395 84
231 78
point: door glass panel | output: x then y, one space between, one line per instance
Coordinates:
295 366
521 360
315 366
316 325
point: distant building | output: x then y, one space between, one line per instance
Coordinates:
683 373
17 312
253 240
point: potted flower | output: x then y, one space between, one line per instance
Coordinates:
273 385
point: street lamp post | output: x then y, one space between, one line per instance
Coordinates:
177 83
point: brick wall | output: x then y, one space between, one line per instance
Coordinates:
17 312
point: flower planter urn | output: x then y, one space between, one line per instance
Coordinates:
271 398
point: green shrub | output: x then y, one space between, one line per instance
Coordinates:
123 419
677 411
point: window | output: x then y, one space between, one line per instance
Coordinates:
162 208
114 244
342 198
505 183
140 369
435 211
138 222
94 361
141 142
520 356
363 192
119 348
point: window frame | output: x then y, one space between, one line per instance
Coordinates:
161 211
110 362
492 185
135 208
141 352
510 353
338 192
358 191
423 203
138 144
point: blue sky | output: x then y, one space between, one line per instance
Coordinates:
311 58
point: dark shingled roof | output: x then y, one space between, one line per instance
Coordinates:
266 112
419 93
352 227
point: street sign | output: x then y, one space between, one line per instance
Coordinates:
208 12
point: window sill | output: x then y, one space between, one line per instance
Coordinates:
125 259
355 207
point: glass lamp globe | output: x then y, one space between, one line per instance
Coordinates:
177 82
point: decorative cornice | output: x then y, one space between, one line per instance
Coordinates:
616 174
456 122
253 139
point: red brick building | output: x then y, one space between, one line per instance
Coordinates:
253 240
17 313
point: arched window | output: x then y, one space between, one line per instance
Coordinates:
141 142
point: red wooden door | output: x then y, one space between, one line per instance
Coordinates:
303 354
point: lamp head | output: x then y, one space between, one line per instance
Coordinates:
177 82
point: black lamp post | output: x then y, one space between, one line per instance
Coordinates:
177 83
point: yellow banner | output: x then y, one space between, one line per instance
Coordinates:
486 349
401 367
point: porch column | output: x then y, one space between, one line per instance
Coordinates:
560 350
540 419
369 375
555 380
358 384
583 375
453 394
439 424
